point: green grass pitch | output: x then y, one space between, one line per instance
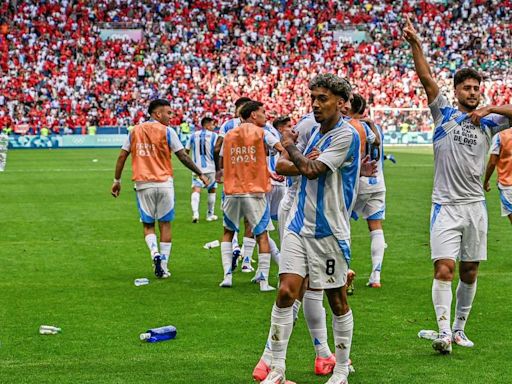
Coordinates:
69 253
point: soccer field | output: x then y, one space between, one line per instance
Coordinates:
69 253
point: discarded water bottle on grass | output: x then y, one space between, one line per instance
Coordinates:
142 281
212 244
49 330
428 334
159 334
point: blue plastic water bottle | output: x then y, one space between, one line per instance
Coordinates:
159 334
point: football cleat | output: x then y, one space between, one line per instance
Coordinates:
157 265
460 338
443 344
264 287
195 219
276 377
247 268
324 365
261 371
227 282
212 218
337 378
373 284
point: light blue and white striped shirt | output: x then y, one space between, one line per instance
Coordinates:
322 207
202 148
229 125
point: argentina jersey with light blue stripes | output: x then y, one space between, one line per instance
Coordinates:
322 207
460 151
202 148
229 125
375 183
273 155
305 128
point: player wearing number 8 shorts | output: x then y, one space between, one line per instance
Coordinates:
317 235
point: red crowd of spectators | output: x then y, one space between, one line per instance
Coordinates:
57 72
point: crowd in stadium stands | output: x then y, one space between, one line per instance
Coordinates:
57 73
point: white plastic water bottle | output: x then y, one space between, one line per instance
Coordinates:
211 244
428 334
49 330
141 281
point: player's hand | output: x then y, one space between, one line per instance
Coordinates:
218 176
288 137
477 114
410 33
204 179
276 177
116 189
368 167
313 155
487 187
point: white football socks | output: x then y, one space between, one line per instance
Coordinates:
248 248
152 244
267 352
274 251
465 294
234 242
296 309
378 245
227 255
194 202
211 203
314 313
343 327
165 252
442 300
280 330
264 265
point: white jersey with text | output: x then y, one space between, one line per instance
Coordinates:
460 150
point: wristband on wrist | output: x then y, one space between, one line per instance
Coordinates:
118 181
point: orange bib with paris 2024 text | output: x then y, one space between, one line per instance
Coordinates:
151 155
504 164
245 161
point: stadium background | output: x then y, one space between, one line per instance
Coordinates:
69 252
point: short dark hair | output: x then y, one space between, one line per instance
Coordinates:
158 103
358 104
280 121
205 120
241 101
335 84
466 73
249 107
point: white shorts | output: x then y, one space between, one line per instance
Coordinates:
254 209
506 201
370 206
196 182
459 232
274 198
325 260
155 203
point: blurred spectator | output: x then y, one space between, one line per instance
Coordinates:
202 55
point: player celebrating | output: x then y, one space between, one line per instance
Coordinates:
317 234
246 181
501 156
202 145
458 228
150 145
371 198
